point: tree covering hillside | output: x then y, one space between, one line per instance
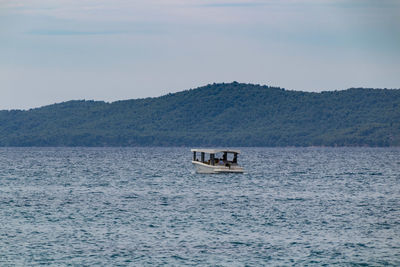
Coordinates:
232 114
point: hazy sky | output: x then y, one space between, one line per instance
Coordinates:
58 50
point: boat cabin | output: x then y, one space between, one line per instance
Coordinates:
216 160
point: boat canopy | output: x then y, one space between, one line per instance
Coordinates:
214 151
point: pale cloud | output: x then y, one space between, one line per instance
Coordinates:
110 50
197 11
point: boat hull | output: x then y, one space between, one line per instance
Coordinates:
205 168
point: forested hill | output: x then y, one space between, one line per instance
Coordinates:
231 114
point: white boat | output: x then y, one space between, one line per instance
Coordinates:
227 162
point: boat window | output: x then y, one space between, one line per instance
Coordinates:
234 160
230 157
225 157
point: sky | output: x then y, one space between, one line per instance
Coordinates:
58 50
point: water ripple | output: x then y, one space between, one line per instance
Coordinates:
146 206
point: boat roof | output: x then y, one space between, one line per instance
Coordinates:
214 150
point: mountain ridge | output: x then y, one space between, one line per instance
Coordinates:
224 114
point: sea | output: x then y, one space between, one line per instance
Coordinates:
148 207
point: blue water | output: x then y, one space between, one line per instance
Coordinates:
146 206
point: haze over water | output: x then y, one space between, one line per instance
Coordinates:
146 206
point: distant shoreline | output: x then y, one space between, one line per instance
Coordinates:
226 114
